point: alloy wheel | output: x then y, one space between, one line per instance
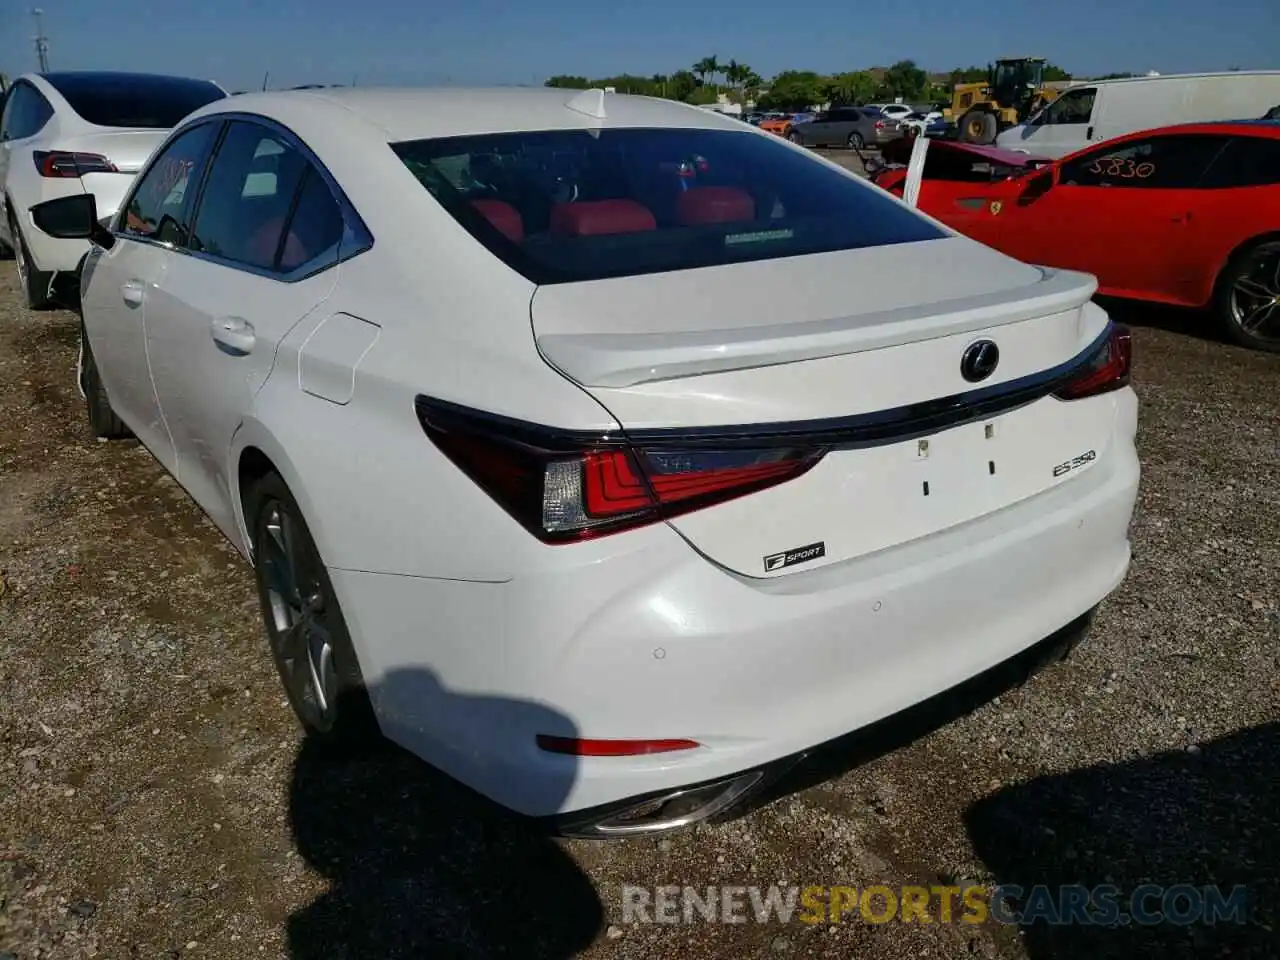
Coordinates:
299 628
1255 295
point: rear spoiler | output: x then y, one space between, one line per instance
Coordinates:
624 360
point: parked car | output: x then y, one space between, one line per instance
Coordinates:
921 122
572 436
895 111
779 123
1183 215
69 133
853 127
1094 112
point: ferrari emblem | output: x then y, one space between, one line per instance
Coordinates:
995 207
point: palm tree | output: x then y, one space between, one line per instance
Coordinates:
707 67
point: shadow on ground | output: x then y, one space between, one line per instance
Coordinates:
1210 817
840 756
1183 322
420 866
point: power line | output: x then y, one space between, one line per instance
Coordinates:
42 42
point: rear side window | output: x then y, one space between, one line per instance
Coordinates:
1170 163
266 206
26 111
1245 162
564 206
247 198
128 100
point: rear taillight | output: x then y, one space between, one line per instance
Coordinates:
62 164
1106 370
570 487
879 124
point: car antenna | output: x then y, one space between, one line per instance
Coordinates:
589 103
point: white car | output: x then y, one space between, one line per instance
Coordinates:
71 133
578 442
894 111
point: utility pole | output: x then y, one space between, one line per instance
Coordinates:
265 77
42 42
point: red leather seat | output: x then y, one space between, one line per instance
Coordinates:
715 205
262 247
601 217
503 216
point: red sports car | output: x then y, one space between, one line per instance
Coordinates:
1186 215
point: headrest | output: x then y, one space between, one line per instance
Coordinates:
504 217
715 205
601 217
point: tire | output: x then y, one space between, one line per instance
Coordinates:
856 142
326 689
35 283
102 419
978 126
1240 297
794 137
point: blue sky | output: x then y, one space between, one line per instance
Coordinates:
524 41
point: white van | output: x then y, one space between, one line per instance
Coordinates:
1090 112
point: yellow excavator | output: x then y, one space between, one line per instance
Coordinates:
1014 90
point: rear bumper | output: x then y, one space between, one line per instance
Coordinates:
658 642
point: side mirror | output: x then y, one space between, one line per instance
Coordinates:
73 218
1037 186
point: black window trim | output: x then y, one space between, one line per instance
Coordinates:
353 223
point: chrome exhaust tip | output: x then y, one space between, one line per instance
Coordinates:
670 811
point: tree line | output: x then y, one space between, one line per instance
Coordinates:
794 89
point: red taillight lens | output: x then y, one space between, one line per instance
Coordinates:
611 748
879 124
570 488
63 164
1106 370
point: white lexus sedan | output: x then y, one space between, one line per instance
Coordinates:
579 444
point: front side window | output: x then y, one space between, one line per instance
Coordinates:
1170 163
563 206
160 206
1073 107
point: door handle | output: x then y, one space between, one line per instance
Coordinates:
234 334
1088 134
133 293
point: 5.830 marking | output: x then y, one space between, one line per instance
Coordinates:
1075 463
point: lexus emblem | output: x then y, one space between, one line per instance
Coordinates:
979 361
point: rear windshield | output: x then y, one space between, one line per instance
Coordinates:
136 102
563 206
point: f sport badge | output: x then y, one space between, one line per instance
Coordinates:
812 551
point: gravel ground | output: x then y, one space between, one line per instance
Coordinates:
156 799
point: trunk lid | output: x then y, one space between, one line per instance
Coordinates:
857 351
129 150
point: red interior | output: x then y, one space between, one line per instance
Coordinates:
715 205
601 217
503 216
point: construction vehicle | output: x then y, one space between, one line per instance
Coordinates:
1014 89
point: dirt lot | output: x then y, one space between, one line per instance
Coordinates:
156 799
